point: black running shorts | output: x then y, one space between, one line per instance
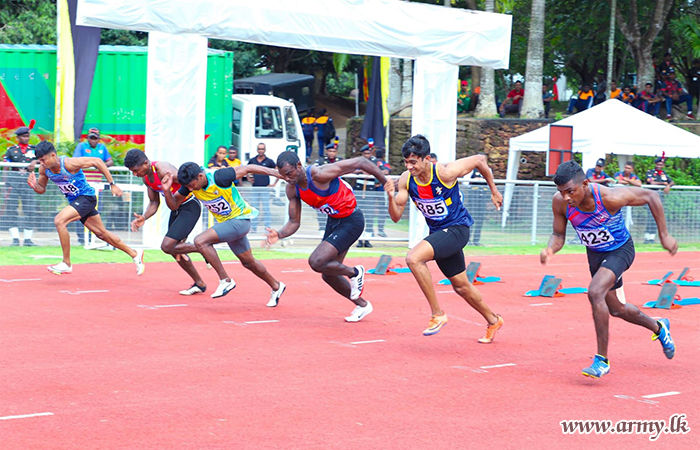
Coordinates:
448 244
618 260
342 233
183 219
86 205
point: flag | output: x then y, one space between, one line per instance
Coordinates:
377 114
77 51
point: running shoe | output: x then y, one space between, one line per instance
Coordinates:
224 288
357 283
491 331
435 325
275 296
60 268
359 313
665 338
598 368
194 290
207 263
138 260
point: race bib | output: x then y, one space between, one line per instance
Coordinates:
218 206
432 208
326 209
595 238
67 188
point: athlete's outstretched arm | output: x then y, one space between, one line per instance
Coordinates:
84 162
242 171
328 172
397 203
450 172
556 240
151 209
40 185
294 221
615 199
172 200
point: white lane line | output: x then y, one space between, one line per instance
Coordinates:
541 304
16 280
168 306
663 394
24 416
292 271
627 397
445 292
367 342
81 292
262 321
497 365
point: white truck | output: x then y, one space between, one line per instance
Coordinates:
269 120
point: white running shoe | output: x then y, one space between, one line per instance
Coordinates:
359 312
357 283
194 290
275 296
224 288
60 268
138 260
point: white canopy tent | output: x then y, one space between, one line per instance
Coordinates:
611 127
439 39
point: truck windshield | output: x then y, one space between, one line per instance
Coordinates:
268 123
290 124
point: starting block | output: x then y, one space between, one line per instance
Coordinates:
473 276
668 299
383 268
683 279
550 287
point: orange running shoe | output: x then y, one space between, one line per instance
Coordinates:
435 325
491 331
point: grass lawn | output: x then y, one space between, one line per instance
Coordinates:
12 256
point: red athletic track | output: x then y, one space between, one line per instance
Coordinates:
116 374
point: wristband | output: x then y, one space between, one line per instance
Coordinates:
112 183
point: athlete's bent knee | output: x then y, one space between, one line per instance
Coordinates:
167 247
317 264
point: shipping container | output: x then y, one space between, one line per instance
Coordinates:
117 103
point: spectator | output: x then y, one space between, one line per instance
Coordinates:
233 161
259 197
330 158
657 177
463 100
95 149
218 161
583 101
600 91
433 158
513 102
666 64
477 197
675 94
627 176
627 96
597 175
648 102
546 100
308 124
694 81
326 130
18 191
615 92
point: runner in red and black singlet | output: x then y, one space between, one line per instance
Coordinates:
182 221
321 188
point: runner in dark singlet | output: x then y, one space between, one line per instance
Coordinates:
434 190
321 188
182 220
595 212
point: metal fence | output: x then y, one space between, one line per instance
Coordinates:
529 219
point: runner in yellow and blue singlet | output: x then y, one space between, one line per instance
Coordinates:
218 193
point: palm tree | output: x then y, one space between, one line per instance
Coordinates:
532 101
487 99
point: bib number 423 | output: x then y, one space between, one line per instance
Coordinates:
596 238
